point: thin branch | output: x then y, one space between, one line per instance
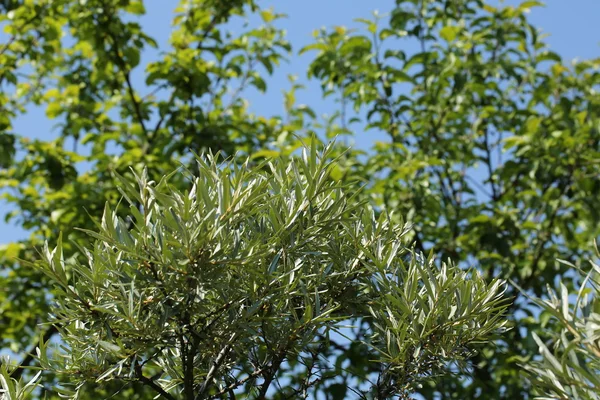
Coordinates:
7 44
216 365
488 162
149 382
136 104
385 95
11 40
162 117
273 368
479 186
156 353
14 36
157 89
127 76
120 62
306 382
513 183
241 86
239 383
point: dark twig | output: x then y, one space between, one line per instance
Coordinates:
149 382
239 383
216 365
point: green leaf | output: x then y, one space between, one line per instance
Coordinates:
449 33
136 7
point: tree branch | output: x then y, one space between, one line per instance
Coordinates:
187 357
149 382
239 383
488 162
127 76
124 70
271 371
215 365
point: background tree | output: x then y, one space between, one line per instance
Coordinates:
492 151
215 287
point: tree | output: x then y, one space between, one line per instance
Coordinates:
491 154
214 289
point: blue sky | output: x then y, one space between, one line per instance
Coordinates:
573 28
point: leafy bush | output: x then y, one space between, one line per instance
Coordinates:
217 289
